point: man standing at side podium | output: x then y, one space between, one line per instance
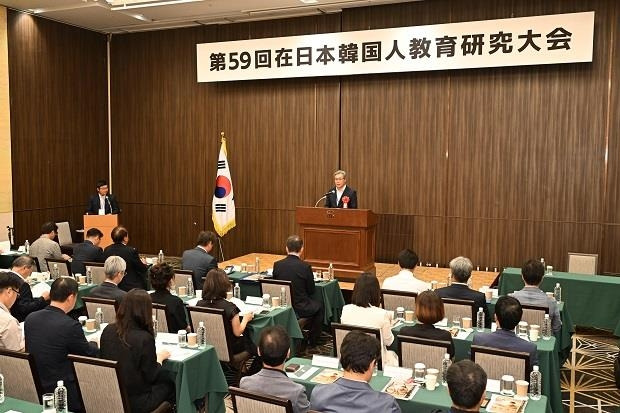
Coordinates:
103 203
341 195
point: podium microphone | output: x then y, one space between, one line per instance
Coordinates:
107 198
323 197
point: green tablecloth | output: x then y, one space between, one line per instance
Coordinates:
20 406
591 299
548 360
283 316
424 401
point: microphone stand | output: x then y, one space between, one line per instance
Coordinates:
320 199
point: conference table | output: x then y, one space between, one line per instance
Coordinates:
424 401
548 361
591 299
16 405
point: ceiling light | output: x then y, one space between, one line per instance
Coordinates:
309 1
126 6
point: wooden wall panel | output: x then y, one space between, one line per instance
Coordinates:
59 144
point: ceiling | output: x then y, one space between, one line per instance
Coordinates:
122 16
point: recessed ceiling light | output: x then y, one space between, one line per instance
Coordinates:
309 1
154 3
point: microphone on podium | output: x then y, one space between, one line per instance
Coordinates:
324 196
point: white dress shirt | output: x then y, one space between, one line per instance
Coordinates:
405 281
339 194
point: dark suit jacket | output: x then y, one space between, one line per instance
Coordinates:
330 201
293 269
82 252
93 205
508 340
463 292
50 336
135 274
199 261
25 304
428 331
175 310
108 290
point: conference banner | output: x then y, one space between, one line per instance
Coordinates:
534 40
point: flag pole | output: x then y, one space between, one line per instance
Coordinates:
219 240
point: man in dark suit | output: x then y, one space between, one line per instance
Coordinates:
199 259
87 251
114 269
508 313
461 268
51 335
341 195
299 273
467 384
103 201
21 269
135 274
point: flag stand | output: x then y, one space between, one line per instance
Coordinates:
219 241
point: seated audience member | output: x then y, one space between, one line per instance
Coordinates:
467 384
87 251
460 268
135 274
352 393
114 269
299 273
45 246
21 269
11 337
429 309
405 280
365 311
532 273
131 342
162 276
214 296
199 259
274 349
51 335
508 313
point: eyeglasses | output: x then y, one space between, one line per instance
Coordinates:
15 291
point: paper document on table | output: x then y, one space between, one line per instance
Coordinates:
177 353
250 308
493 385
5 247
193 301
39 289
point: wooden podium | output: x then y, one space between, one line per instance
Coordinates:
105 224
344 237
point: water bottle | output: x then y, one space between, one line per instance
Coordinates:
535 384
160 257
89 276
557 292
480 319
55 273
257 265
542 261
283 302
155 326
449 282
60 398
190 287
546 328
330 271
27 247
98 318
445 365
1 388
202 335
237 291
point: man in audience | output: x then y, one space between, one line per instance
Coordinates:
46 247
135 273
87 251
352 393
21 269
11 337
532 273
461 268
199 259
114 269
274 349
103 201
299 273
508 313
467 384
405 280
51 335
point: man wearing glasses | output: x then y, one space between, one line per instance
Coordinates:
11 337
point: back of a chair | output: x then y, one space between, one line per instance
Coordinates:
461 308
216 329
160 312
496 362
64 266
245 401
534 314
339 332
393 299
21 380
37 264
273 288
181 277
64 233
108 307
96 271
90 373
412 350
582 263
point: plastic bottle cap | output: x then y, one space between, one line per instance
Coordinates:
480 309
546 315
446 356
557 284
98 308
535 368
60 383
201 324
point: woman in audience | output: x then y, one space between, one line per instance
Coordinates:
131 342
429 310
162 276
364 311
